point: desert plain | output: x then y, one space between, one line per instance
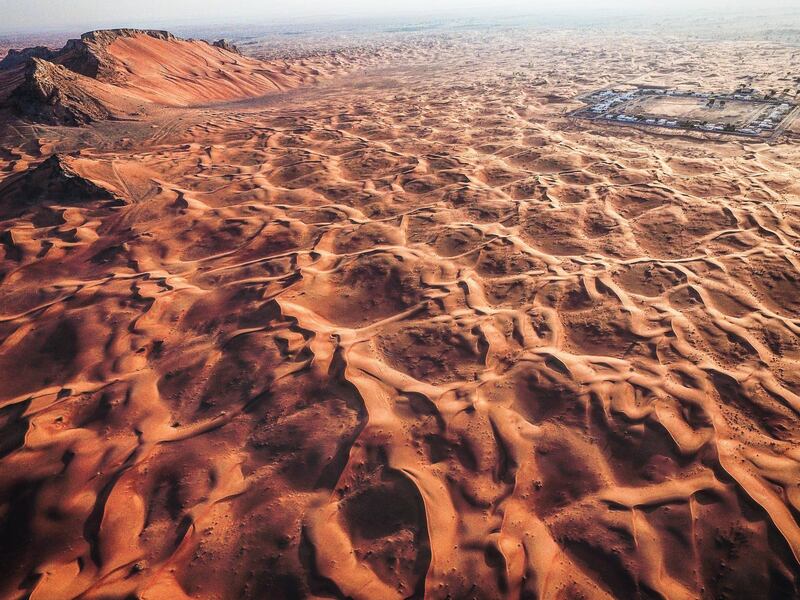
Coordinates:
387 322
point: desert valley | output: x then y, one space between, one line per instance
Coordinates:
388 320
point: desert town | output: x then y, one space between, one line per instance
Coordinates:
770 115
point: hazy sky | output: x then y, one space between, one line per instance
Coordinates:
91 14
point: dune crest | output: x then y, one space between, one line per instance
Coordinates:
411 333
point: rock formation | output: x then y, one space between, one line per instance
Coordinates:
114 72
56 180
53 94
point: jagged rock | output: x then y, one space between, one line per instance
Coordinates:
53 181
55 89
104 37
86 55
79 58
226 45
53 94
15 58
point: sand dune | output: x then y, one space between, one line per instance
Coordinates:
194 72
410 333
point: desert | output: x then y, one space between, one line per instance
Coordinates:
385 319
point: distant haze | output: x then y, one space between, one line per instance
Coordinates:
42 15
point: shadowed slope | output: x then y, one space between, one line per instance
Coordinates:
59 180
51 93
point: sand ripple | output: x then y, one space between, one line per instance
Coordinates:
411 333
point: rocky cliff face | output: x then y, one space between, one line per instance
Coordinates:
104 37
55 89
16 58
86 55
53 94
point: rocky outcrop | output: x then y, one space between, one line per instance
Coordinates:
226 45
118 72
54 181
89 56
84 55
56 86
104 37
15 58
55 95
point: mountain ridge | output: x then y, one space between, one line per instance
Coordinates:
106 73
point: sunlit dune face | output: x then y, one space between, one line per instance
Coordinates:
408 330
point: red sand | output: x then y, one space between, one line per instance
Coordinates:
406 333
